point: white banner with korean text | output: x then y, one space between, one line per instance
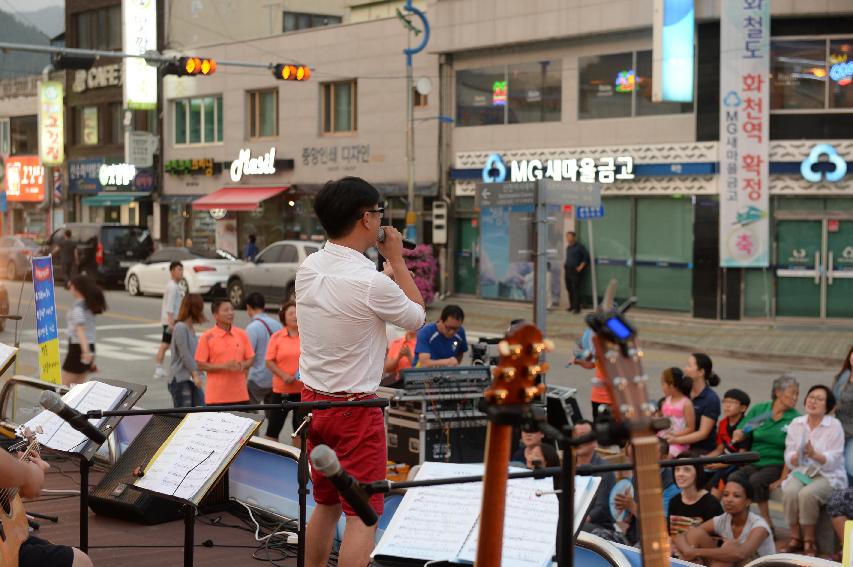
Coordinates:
744 133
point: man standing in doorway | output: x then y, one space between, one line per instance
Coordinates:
577 259
172 298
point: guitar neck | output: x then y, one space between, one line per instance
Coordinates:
490 541
654 537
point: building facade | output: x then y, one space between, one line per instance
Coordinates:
541 81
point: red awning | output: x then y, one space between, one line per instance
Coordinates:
237 198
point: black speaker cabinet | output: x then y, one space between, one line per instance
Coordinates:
116 497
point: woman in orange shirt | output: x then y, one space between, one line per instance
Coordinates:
283 360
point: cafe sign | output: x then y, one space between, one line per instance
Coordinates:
245 164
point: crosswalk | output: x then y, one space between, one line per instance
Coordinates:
127 349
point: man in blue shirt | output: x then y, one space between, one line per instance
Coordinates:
259 330
442 343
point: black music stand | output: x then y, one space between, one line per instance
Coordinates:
87 452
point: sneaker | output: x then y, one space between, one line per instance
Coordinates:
159 373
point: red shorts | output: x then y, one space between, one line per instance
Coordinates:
357 436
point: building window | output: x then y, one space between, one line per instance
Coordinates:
86 128
299 21
98 29
509 94
116 123
814 74
198 120
5 140
263 113
23 135
619 85
340 107
420 100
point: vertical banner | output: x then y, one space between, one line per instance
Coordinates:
46 325
672 50
51 123
744 133
139 18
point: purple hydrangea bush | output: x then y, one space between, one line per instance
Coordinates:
423 264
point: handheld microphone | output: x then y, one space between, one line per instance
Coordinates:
327 463
51 401
407 244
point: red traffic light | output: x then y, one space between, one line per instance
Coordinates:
284 72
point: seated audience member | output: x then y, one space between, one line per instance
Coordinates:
814 452
599 513
735 404
744 534
677 407
534 453
399 357
706 404
764 427
442 343
694 505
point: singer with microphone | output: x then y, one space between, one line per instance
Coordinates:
344 304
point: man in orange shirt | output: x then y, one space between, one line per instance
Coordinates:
224 352
400 354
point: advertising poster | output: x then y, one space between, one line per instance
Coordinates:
46 324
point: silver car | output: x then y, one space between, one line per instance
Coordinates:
16 255
272 274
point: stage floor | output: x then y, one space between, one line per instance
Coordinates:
111 541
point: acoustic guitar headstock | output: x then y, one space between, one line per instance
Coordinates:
516 378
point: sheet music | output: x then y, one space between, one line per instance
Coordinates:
58 434
7 352
198 449
442 523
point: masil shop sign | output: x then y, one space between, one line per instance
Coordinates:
245 164
585 170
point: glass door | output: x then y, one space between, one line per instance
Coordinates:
799 268
839 268
466 266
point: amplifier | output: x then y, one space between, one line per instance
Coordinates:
455 437
116 497
451 379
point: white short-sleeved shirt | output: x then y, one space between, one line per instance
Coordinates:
172 298
343 303
723 527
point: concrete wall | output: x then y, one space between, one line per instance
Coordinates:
19 96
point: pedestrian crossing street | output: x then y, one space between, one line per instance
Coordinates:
111 346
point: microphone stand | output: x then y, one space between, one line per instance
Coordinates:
302 479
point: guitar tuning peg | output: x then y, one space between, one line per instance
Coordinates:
549 345
508 373
537 369
497 395
503 348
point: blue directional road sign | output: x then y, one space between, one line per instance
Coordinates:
585 213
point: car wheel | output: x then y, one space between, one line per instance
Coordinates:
290 292
12 271
185 287
235 294
133 285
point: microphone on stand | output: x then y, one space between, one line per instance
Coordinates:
407 244
51 401
327 463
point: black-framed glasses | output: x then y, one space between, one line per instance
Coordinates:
380 211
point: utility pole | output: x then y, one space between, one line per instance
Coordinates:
411 215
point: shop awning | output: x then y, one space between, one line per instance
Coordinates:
237 198
111 199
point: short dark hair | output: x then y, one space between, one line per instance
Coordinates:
283 311
743 480
341 203
252 238
67 233
217 303
452 311
256 301
830 397
572 232
175 264
699 482
738 395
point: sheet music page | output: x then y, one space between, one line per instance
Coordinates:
432 523
6 353
93 395
193 455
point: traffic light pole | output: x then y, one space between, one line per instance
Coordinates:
411 216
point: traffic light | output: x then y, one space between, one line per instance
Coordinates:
190 66
286 72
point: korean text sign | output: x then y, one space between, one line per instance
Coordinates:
25 179
51 123
46 324
744 132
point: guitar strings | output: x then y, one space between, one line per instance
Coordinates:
7 494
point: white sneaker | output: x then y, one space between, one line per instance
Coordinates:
159 373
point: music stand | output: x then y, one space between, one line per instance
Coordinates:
190 505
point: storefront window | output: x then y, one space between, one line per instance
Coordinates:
606 83
514 94
645 106
797 74
841 73
24 135
535 92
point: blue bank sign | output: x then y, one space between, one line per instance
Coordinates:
585 170
813 169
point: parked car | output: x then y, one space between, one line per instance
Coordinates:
204 272
106 250
272 274
16 253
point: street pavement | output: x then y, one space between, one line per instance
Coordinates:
128 335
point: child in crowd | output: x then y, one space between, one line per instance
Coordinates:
677 407
735 404
744 534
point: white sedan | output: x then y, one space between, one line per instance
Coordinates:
204 272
